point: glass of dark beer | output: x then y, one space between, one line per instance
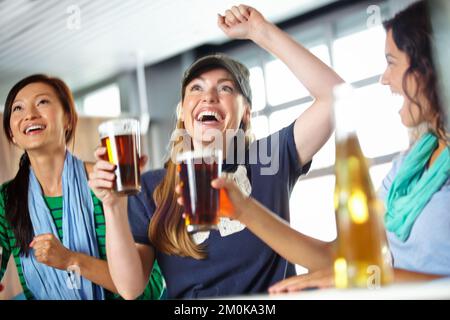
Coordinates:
196 170
121 138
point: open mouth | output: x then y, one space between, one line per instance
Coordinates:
209 117
34 129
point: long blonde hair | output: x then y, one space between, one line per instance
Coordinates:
167 231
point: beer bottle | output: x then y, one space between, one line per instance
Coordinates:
362 256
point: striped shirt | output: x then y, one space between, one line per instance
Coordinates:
154 288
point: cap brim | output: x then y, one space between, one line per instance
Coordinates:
206 63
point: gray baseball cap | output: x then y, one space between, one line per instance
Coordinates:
238 71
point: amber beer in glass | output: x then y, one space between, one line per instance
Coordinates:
121 138
362 256
196 170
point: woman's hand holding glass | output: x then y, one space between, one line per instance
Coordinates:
232 200
101 179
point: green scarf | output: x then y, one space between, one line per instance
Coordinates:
414 186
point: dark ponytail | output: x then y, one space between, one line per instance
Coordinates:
16 206
16 191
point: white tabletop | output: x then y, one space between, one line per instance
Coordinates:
436 289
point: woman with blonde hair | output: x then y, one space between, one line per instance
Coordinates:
216 98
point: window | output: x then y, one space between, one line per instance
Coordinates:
282 85
103 102
360 55
325 156
380 131
260 127
321 52
258 89
312 209
378 172
280 119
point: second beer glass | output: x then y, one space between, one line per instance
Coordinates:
121 138
201 201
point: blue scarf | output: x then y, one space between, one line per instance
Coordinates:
414 186
78 227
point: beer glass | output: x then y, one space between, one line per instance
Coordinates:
121 138
196 170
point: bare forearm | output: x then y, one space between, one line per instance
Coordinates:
401 275
287 242
315 75
123 258
96 270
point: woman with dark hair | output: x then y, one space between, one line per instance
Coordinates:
416 191
216 97
50 221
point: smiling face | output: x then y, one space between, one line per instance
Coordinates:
397 65
213 101
37 118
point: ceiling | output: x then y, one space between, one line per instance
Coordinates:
85 41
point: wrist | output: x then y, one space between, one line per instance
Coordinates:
116 207
74 259
244 210
262 33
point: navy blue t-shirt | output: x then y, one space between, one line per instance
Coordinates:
239 263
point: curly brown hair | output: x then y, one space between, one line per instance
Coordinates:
413 35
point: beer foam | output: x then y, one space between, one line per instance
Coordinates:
118 127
